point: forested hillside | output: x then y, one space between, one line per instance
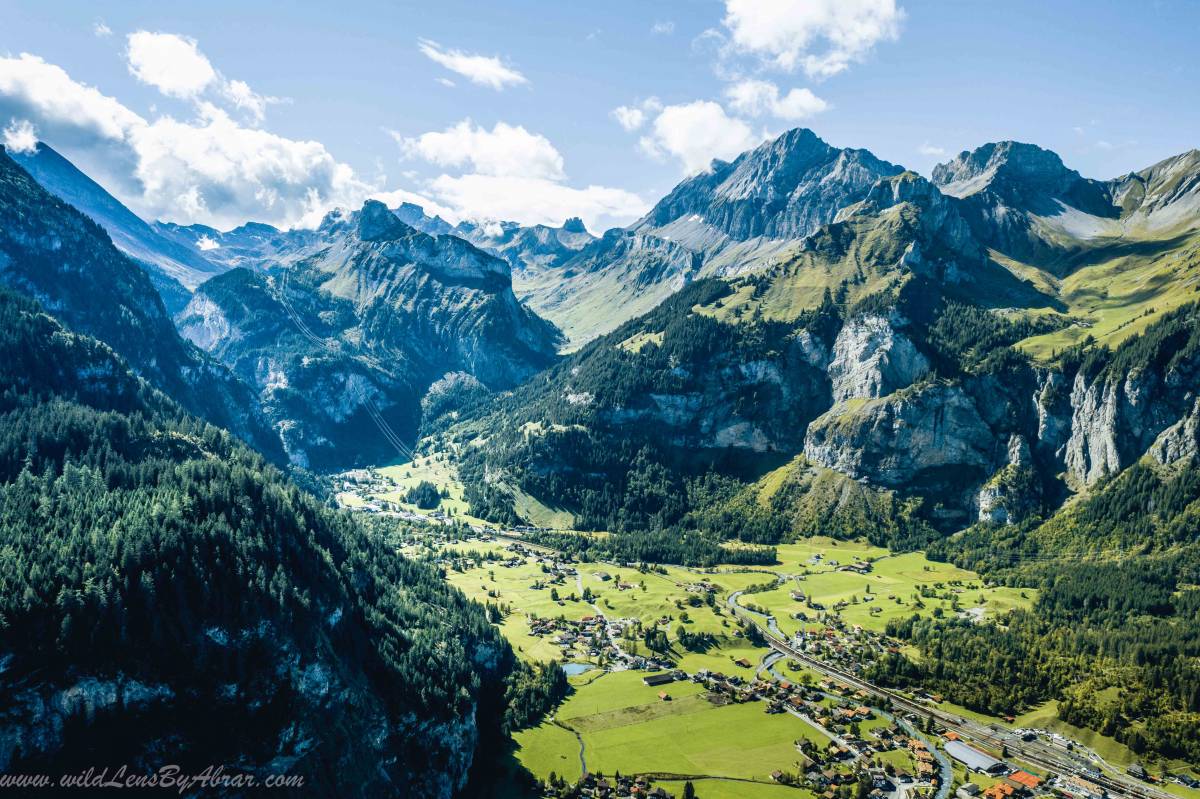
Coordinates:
163 589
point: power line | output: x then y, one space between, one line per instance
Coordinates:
364 400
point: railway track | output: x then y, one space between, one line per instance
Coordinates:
1041 755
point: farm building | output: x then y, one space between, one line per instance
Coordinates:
975 760
661 678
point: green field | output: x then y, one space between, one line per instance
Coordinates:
625 727
891 590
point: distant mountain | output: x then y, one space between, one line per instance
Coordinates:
174 269
737 217
414 216
254 245
67 262
532 250
1024 202
926 358
365 317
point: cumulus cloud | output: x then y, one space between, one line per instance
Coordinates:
632 117
510 173
100 30
171 63
20 136
534 201
208 168
822 36
175 66
931 150
487 71
695 133
243 97
760 97
629 117
505 150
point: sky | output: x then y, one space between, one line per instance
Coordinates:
228 112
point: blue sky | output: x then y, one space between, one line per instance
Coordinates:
507 109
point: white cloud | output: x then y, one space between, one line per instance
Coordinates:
100 30
243 97
511 174
487 71
696 133
446 82
632 117
208 169
532 201
628 117
822 36
505 150
760 97
20 136
207 243
664 28
171 63
931 150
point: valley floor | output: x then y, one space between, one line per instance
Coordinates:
612 625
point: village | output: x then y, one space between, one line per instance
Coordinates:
678 627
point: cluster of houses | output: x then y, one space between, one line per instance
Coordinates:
589 634
597 786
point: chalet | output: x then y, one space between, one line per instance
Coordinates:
968 791
602 576
663 696
1001 790
1137 772
798 596
743 662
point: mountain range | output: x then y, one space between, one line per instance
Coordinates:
998 364
884 295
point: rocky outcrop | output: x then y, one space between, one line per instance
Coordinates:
929 436
1012 494
872 358
1115 419
1179 442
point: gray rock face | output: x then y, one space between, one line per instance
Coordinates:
785 188
930 435
871 358
364 321
1114 420
1180 441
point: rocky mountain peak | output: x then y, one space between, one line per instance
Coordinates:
784 188
1171 184
377 223
1024 176
574 225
